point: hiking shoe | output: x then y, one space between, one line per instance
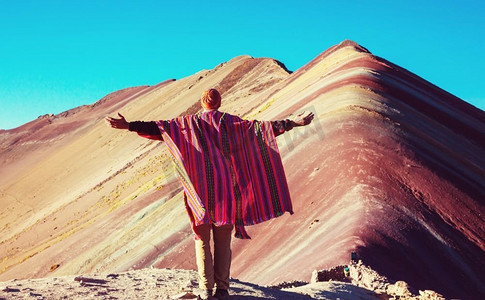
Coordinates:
221 294
206 295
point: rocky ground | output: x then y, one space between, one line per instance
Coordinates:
357 282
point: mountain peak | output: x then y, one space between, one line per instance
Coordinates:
350 43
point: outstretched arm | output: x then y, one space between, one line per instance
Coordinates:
147 130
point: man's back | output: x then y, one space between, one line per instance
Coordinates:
233 166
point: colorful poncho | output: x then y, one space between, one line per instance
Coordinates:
230 168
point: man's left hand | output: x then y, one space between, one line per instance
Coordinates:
303 118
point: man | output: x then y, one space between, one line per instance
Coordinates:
232 175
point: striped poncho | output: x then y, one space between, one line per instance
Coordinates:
230 168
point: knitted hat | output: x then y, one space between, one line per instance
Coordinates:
210 99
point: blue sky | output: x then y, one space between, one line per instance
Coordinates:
56 55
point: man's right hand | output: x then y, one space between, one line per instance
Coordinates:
118 123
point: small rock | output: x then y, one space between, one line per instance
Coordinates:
337 273
34 294
54 267
191 283
186 295
90 280
10 290
431 295
314 278
400 288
